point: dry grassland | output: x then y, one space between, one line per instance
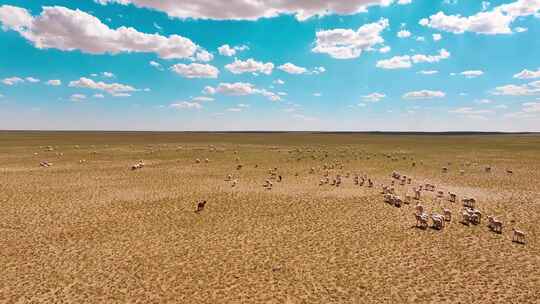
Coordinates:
98 232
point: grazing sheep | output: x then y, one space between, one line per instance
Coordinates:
444 169
469 202
238 167
417 193
453 197
409 180
494 224
466 218
228 178
462 172
447 215
200 206
488 169
438 221
440 194
508 171
206 160
518 236
421 220
197 161
234 183
45 164
419 209
370 183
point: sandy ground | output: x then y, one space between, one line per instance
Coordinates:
100 233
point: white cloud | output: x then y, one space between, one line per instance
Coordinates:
240 89
278 81
406 61
185 105
420 38
12 81
496 21
437 37
526 74
229 51
108 74
67 30
420 58
403 34
318 70
98 96
531 107
195 70
428 72
115 89
250 66
32 79
384 49
532 88
520 29
77 97
485 5
424 94
396 62
157 65
54 82
203 99
253 10
472 73
373 97
203 55
292 68
346 43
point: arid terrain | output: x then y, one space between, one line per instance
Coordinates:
89 229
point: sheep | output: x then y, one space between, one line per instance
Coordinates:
440 194
518 236
197 161
438 221
453 197
417 194
421 220
234 183
370 183
444 169
447 215
45 164
494 224
466 218
462 172
321 182
409 180
239 166
228 178
206 160
200 206
469 202
487 169
510 172
419 209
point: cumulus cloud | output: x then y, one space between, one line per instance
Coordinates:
65 29
186 105
203 55
115 89
54 82
195 70
240 89
250 66
32 79
423 94
279 81
107 75
373 97
77 97
532 88
526 74
292 68
347 43
253 10
406 61
12 81
437 37
202 99
229 51
403 34
428 72
496 21
384 49
472 73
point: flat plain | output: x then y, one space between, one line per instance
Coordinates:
89 229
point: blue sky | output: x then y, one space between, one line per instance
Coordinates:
358 65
